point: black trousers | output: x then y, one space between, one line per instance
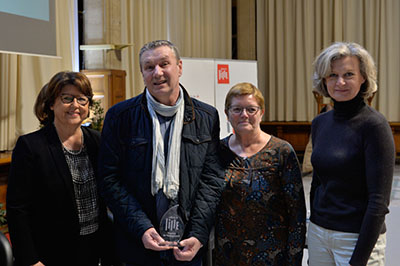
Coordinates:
89 250
168 259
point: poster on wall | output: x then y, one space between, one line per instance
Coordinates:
209 80
198 78
222 74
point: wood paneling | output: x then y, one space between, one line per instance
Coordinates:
5 161
396 135
298 133
108 85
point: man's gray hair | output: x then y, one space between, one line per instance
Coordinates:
155 44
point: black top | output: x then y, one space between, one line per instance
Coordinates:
42 211
353 159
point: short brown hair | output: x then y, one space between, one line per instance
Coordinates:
244 88
52 90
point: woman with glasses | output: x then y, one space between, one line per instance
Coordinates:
54 212
262 215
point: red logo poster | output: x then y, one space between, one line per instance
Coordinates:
223 74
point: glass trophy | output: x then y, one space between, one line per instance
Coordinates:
171 227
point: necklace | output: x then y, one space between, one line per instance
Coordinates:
74 152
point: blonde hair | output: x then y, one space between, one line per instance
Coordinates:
323 62
244 88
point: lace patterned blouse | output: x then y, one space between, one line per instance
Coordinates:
261 217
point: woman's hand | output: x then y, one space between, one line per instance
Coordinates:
38 264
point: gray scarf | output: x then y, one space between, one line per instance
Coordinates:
166 176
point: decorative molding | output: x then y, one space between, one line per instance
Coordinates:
104 46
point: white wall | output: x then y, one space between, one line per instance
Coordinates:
200 78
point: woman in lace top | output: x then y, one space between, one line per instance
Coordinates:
261 216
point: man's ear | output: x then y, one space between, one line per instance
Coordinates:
180 68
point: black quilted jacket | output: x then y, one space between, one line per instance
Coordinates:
125 173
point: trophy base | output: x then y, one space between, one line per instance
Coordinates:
170 244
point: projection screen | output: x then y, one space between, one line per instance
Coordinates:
28 27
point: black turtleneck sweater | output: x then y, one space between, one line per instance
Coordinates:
353 159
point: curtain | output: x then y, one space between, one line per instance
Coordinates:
197 28
22 77
8 101
141 22
291 33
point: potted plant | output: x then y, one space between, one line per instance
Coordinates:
3 219
98 115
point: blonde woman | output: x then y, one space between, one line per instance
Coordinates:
353 159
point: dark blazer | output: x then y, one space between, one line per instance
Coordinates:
41 208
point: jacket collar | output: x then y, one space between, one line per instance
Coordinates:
57 153
188 115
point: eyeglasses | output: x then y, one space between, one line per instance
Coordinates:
69 98
250 110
